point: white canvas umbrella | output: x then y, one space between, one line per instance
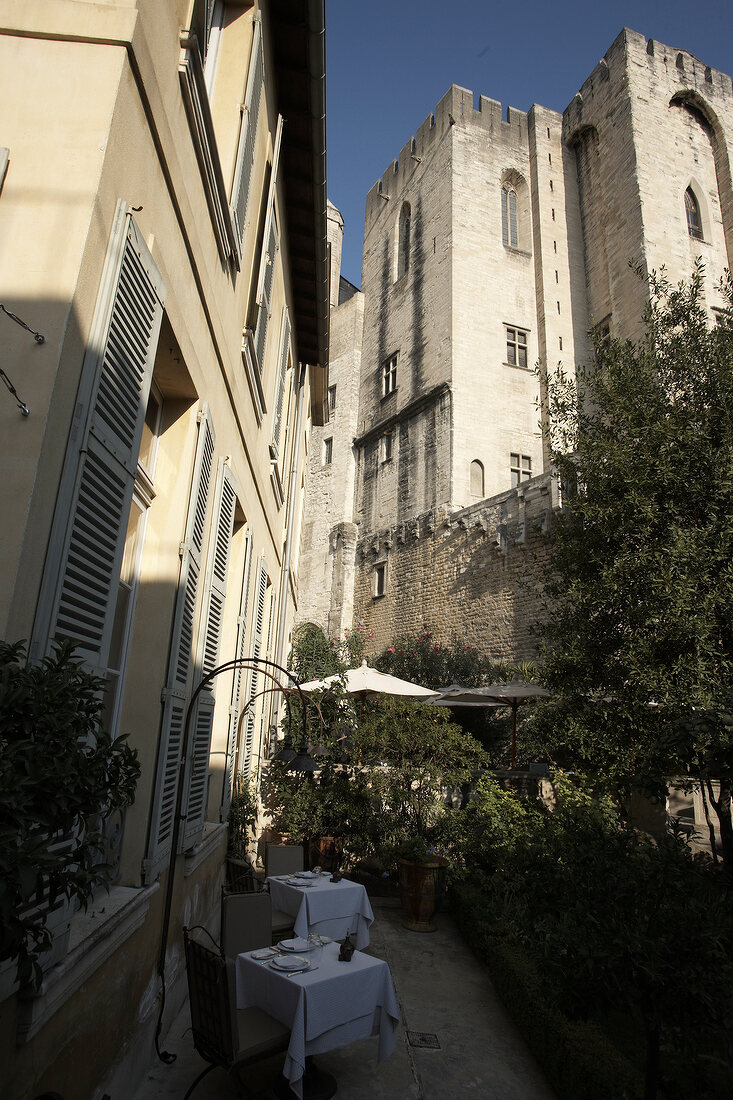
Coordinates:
366 680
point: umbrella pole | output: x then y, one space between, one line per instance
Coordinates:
514 735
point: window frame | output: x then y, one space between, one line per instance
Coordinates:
517 341
327 452
693 215
509 217
521 469
379 583
389 375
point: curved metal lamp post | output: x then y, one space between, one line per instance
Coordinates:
300 762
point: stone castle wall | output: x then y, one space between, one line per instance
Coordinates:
476 573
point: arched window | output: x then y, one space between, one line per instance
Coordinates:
403 244
692 209
477 479
509 217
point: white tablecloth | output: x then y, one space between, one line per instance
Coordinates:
336 1004
330 908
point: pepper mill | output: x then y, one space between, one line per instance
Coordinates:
347 949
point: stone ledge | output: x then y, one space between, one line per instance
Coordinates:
95 935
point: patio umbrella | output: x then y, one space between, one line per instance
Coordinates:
514 694
366 680
459 695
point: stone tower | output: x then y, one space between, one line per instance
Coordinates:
493 245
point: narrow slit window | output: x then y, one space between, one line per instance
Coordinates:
509 217
692 210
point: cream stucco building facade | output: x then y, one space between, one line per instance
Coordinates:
494 243
163 228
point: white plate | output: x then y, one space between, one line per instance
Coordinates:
298 944
291 964
300 882
263 953
304 874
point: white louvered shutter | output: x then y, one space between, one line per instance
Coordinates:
268 702
92 557
263 298
240 679
280 393
208 657
180 659
248 135
258 628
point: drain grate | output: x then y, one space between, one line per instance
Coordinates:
424 1039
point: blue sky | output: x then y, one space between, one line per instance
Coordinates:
389 64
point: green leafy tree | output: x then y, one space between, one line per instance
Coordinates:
59 771
427 661
638 641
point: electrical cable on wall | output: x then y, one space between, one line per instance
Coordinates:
40 339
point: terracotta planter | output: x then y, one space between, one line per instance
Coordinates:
420 885
325 852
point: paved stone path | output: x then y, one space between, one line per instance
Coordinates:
442 992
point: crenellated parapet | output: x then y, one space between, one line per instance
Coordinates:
458 107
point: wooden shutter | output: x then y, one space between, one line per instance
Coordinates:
258 626
208 657
280 394
131 302
248 135
240 678
267 259
180 658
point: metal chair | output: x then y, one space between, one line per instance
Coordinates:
222 1034
281 923
246 922
241 878
283 859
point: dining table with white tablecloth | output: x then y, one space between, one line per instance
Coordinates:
332 1004
318 904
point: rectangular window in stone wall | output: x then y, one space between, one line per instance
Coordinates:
331 398
389 375
387 446
327 455
380 579
521 468
516 347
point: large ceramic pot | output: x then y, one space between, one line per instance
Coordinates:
326 852
420 886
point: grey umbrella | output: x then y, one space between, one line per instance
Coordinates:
514 694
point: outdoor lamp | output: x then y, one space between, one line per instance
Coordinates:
302 761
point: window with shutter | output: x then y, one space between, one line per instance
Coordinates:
248 135
239 680
258 626
180 660
263 300
90 525
207 657
280 392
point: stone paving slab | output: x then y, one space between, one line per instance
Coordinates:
443 993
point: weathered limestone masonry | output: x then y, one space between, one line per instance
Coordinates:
649 123
469 573
492 244
326 563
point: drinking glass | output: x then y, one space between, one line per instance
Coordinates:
315 948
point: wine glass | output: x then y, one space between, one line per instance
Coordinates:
315 948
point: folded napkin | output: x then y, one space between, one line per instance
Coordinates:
298 944
290 962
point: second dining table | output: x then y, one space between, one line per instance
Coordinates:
318 904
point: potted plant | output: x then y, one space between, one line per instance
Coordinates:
61 774
412 753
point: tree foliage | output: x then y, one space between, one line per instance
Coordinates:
639 633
